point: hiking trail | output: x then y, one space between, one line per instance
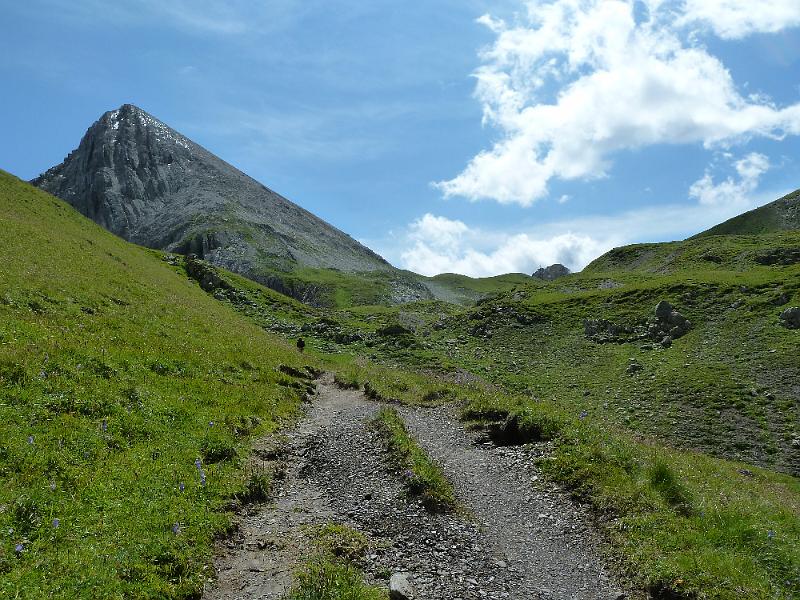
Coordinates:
520 537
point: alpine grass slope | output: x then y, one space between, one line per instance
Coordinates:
127 399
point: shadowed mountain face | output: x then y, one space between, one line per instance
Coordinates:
147 183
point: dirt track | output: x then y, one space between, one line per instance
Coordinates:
521 538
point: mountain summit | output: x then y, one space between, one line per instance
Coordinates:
149 184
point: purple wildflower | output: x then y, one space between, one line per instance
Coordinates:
30 440
584 414
211 423
176 529
56 523
199 466
408 474
181 487
19 548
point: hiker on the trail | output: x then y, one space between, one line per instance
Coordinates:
301 344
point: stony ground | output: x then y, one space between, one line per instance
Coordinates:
517 538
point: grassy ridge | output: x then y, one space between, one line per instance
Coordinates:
780 215
700 259
728 387
421 476
118 374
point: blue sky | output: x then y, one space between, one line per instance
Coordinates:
449 135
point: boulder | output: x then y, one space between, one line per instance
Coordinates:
791 317
677 319
394 330
663 310
633 367
400 587
668 323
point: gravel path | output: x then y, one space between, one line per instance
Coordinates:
545 537
523 539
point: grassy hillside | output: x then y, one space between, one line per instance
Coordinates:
781 215
662 441
728 387
460 289
329 288
117 374
698 258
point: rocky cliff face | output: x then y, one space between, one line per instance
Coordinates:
552 272
144 181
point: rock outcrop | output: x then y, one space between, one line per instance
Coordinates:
552 272
666 325
778 256
790 317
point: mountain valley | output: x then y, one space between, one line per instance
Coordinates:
155 412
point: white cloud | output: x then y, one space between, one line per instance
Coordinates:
621 82
731 192
434 244
440 245
440 232
732 19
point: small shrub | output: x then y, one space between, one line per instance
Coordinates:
258 487
242 425
216 448
372 393
439 395
347 381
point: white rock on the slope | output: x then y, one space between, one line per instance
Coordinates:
400 587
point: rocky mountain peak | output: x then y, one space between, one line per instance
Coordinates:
144 181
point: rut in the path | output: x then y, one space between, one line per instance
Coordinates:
523 541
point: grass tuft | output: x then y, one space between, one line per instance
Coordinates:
664 480
326 579
340 541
